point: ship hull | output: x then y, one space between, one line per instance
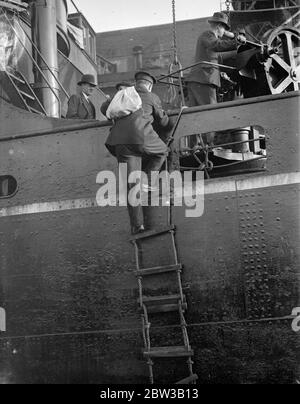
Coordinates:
67 283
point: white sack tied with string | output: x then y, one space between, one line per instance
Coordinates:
124 103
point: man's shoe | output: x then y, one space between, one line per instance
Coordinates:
138 230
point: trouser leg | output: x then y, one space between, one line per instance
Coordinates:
134 205
153 164
201 94
191 98
208 96
155 154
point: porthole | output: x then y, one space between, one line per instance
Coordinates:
8 186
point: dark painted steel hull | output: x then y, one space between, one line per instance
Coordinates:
66 266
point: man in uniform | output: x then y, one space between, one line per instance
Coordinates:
204 79
134 142
80 106
153 112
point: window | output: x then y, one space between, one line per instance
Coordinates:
104 66
87 34
8 186
220 154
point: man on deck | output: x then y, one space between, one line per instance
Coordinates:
204 79
80 106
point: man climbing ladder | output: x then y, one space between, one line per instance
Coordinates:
135 142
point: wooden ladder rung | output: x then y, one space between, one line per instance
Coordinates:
166 308
163 304
169 352
158 270
153 233
189 380
168 299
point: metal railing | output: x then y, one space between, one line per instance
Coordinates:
80 72
43 59
33 60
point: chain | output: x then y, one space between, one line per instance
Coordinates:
174 32
172 94
227 4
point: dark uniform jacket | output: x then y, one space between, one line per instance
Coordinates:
80 108
208 49
152 108
137 128
129 129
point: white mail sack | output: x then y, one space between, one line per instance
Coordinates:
124 103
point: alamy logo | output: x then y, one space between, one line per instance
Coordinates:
296 321
187 189
2 320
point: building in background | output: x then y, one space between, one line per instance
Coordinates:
121 53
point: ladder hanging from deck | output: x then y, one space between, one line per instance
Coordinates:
163 304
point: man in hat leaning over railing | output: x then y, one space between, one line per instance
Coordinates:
204 79
80 106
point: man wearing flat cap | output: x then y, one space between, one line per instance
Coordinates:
154 148
135 142
80 106
152 105
204 79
